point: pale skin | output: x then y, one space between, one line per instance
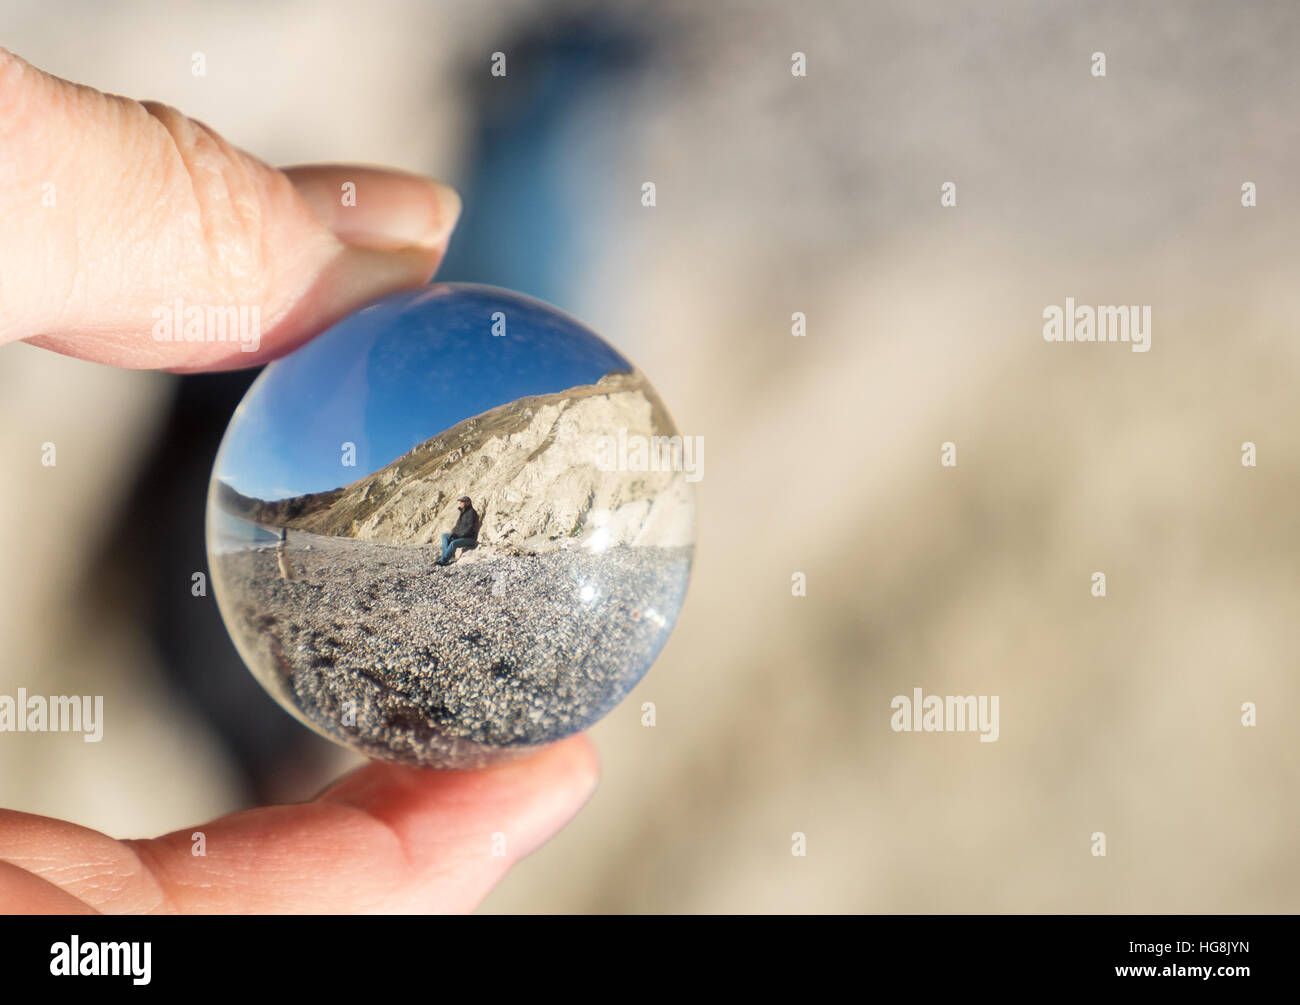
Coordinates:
148 206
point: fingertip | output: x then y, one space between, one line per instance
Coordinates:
569 767
530 799
378 208
462 830
582 762
552 787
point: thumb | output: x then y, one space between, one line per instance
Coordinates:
133 236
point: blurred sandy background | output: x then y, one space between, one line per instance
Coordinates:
777 195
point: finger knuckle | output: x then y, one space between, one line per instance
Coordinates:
221 198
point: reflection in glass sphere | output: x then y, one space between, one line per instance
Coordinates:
455 526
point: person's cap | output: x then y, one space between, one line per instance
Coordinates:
463 499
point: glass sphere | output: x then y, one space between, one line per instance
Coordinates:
455 526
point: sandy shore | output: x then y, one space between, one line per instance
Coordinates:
376 646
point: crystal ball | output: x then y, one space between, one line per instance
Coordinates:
454 527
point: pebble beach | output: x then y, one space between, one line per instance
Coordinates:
377 646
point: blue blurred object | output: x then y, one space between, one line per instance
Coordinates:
520 224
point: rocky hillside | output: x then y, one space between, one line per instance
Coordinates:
529 466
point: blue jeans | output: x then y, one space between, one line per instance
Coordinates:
450 544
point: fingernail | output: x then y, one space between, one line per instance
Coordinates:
407 214
383 210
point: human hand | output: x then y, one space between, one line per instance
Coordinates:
110 209
385 839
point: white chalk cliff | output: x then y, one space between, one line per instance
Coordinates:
533 469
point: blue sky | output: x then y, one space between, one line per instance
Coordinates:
393 375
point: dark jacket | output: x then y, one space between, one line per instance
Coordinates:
466 524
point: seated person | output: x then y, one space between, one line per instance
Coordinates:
463 535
